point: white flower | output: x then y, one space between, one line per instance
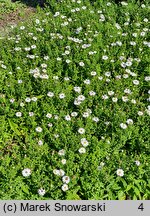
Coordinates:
39 129
92 93
67 118
86 114
95 119
41 192
120 172
50 94
63 161
125 98
56 172
105 97
93 73
129 121
28 99
133 101
81 64
68 61
34 99
82 150
81 130
61 152
123 126
84 142
81 98
147 78
66 179
74 114
136 82
62 95
104 57
137 163
18 114
49 124
22 104
100 78
110 93
77 89
31 114
40 142
61 172
64 187
87 81
26 172
12 100
48 115
140 113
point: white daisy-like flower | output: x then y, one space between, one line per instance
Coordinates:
61 152
77 89
41 192
31 114
50 94
81 64
81 130
93 73
86 114
133 101
63 161
26 172
61 172
34 99
81 98
56 172
68 61
18 114
66 179
49 115
104 57
74 114
28 99
120 172
82 150
123 126
105 97
22 104
64 187
38 129
84 142
62 95
87 81
40 142
95 119
125 98
136 82
12 100
129 121
67 118
140 113
110 93
92 93
49 124
137 163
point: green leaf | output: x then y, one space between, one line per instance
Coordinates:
72 196
121 195
14 127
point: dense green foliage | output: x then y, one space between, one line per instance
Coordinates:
74 94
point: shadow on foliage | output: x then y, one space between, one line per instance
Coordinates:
31 3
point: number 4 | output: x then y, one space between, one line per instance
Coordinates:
141 207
